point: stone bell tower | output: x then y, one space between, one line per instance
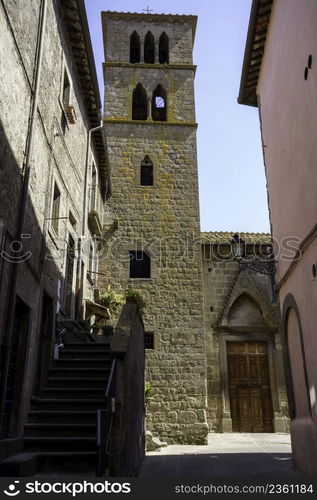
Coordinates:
150 132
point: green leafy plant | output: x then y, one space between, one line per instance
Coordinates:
148 392
137 297
112 300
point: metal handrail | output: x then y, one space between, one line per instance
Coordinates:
105 419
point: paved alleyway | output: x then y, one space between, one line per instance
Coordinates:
226 455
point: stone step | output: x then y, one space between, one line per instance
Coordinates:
82 362
72 382
60 429
59 444
53 416
79 372
67 404
73 393
83 353
87 346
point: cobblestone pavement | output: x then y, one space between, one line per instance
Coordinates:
226 455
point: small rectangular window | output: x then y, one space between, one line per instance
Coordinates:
140 264
148 340
55 208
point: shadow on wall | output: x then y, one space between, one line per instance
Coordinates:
127 441
29 347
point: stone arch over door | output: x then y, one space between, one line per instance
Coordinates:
246 321
245 311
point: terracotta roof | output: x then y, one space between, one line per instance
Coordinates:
152 17
226 237
258 26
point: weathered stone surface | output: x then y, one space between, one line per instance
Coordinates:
163 219
58 157
153 443
127 438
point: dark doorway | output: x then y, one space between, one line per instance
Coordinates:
249 387
17 356
45 342
70 261
79 290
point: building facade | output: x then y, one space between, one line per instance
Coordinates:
245 376
53 187
83 209
279 77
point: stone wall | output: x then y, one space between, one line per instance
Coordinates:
127 441
58 157
178 85
162 221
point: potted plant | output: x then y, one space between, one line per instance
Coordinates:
111 300
136 298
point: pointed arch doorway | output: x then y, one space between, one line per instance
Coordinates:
251 399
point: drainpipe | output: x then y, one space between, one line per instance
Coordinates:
23 201
80 275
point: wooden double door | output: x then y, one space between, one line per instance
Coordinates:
249 387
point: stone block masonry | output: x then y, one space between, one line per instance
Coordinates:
161 219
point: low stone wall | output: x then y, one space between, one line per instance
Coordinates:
127 443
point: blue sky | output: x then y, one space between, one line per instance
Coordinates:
231 172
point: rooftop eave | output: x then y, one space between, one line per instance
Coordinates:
75 18
221 237
255 44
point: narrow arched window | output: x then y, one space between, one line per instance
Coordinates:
149 48
139 103
163 49
159 104
135 48
146 177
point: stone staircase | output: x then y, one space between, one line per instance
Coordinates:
61 426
